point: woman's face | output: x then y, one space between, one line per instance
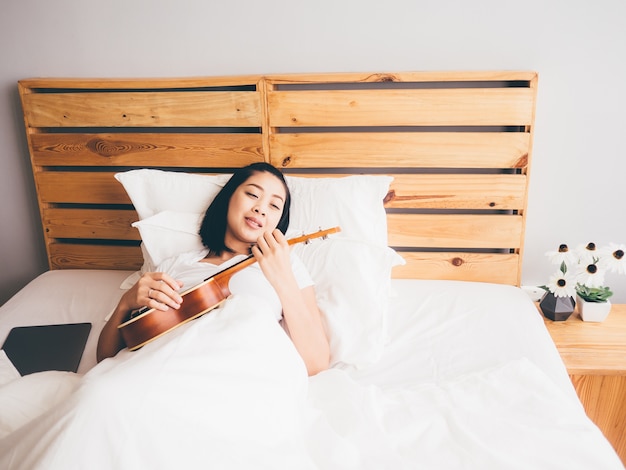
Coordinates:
254 208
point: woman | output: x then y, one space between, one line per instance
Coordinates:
227 390
249 215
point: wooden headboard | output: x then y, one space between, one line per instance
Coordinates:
457 143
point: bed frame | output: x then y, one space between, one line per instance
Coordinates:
458 144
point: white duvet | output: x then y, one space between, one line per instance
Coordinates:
230 391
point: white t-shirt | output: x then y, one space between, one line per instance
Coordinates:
189 268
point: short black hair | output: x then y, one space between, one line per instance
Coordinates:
213 227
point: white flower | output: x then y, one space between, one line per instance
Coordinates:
587 254
614 259
563 254
562 284
584 269
590 275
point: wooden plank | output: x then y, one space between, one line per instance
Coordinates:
74 256
454 191
149 150
143 109
478 267
139 83
359 77
90 223
400 149
372 77
454 230
450 191
80 187
433 107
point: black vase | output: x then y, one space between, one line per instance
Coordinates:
557 308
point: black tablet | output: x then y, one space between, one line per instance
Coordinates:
47 347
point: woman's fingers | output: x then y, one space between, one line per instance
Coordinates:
161 291
271 241
279 236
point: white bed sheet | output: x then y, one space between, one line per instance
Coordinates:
469 379
452 327
66 296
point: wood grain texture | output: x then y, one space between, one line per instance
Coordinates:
404 77
91 223
147 150
462 191
450 231
80 256
401 149
604 399
173 83
595 357
495 268
81 188
142 109
589 348
462 107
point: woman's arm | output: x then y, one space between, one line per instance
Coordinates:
304 323
154 290
300 311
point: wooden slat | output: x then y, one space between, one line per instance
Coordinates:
454 230
91 223
451 191
202 150
457 191
80 187
424 76
447 107
138 83
74 256
143 109
477 267
400 149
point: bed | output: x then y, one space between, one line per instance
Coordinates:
439 360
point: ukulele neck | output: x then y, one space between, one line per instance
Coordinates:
223 277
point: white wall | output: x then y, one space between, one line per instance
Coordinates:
577 185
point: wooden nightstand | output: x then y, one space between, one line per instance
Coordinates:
595 357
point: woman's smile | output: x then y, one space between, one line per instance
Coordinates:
253 222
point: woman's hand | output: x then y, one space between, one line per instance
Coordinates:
272 252
154 290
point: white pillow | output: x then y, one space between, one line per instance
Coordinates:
168 234
153 191
352 282
355 203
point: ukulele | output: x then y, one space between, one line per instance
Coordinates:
150 323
